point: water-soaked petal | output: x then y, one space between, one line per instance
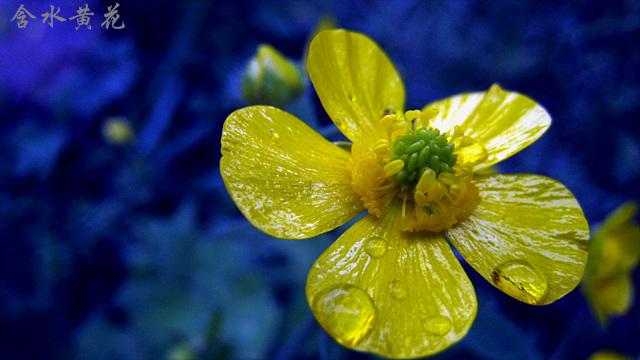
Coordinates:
497 123
528 237
355 81
284 177
421 299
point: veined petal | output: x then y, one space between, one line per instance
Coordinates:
284 177
528 237
393 293
502 122
355 81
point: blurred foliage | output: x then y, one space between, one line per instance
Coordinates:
137 252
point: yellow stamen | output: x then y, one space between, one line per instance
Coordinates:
426 115
412 115
420 198
428 177
393 167
387 120
441 196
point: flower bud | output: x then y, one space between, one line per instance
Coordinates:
271 79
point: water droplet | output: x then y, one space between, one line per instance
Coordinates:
376 246
472 151
344 145
520 280
346 312
390 110
437 325
398 290
274 135
338 123
352 97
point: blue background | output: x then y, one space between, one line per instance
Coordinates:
137 252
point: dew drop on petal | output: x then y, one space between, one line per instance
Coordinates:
338 123
352 97
346 312
274 135
376 246
437 325
520 280
398 290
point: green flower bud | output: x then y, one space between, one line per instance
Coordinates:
271 79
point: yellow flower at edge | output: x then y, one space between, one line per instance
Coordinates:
391 284
608 355
614 254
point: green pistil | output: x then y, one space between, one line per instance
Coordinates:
422 149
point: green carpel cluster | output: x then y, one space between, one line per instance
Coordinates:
421 149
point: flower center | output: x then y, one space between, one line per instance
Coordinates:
419 150
421 168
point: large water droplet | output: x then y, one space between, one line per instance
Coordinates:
346 312
398 290
376 246
520 280
437 325
472 151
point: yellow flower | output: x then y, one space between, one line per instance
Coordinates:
608 355
614 254
391 283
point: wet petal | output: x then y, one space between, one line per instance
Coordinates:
284 177
396 294
356 82
528 237
501 122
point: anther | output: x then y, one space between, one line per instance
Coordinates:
412 115
393 167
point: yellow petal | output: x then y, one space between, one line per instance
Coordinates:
500 122
284 177
393 293
620 238
528 237
613 296
355 81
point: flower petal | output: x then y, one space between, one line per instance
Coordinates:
393 293
355 81
501 122
284 177
528 237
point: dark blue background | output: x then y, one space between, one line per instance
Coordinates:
137 252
